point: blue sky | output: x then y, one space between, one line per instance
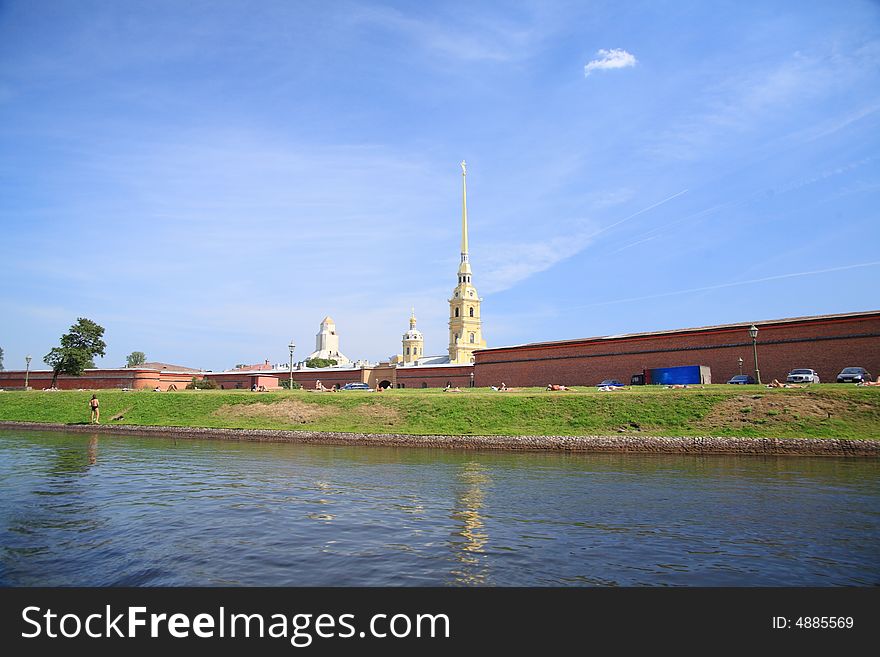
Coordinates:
209 179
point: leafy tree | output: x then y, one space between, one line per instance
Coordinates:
78 348
1 359
201 384
320 362
135 359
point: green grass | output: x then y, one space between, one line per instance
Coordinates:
824 411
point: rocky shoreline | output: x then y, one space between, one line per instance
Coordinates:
613 444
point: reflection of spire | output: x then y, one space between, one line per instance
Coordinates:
467 510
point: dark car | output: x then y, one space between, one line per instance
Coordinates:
853 375
356 386
610 383
742 379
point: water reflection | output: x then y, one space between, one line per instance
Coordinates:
53 509
164 512
473 478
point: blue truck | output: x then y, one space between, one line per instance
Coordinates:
669 376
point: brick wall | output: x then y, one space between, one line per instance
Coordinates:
826 345
434 377
96 379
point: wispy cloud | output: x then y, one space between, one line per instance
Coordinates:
473 39
609 59
719 286
752 100
511 263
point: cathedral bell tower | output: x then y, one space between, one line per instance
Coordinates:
413 342
465 326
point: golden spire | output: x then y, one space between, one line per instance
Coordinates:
464 227
412 319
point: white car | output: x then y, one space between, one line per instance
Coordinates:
803 376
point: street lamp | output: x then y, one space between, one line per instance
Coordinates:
753 331
291 346
27 371
472 379
740 361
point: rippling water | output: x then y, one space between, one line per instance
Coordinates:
122 511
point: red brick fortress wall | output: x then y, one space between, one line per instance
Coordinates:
96 379
826 344
435 377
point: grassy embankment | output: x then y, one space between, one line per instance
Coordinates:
824 411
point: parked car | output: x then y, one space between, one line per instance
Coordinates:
853 375
356 386
802 376
610 383
742 379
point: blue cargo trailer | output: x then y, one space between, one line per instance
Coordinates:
685 375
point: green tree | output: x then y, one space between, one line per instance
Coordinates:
201 384
320 362
135 359
77 350
1 359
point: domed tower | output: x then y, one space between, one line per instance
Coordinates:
465 325
413 342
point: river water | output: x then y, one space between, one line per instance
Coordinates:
90 510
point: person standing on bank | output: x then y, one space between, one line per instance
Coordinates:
96 411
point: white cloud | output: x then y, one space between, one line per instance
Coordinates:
607 59
763 97
511 263
474 38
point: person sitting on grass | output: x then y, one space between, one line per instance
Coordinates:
870 383
776 384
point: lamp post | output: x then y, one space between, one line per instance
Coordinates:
472 379
753 331
740 361
291 346
27 371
